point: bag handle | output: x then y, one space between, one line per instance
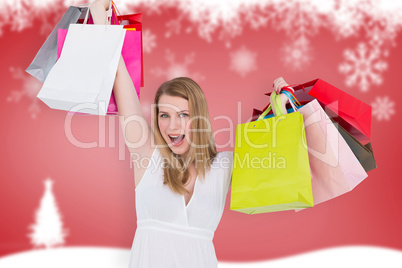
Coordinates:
291 95
277 104
291 100
264 113
116 12
109 14
274 103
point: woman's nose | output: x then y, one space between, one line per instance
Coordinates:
175 123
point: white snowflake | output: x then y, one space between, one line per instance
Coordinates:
30 88
297 54
347 17
149 41
299 19
243 61
379 36
383 108
387 18
344 17
19 14
173 27
176 69
363 66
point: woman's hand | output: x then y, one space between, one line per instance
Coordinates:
280 83
98 11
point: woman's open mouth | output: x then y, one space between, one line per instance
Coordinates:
176 139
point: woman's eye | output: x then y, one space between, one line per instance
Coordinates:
183 115
164 116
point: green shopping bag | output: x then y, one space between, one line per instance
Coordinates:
271 170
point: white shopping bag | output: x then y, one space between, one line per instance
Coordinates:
83 77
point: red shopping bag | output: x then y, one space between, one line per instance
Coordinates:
349 112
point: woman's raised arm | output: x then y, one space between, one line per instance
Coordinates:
136 130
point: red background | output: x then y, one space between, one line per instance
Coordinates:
94 187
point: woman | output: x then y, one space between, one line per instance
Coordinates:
181 192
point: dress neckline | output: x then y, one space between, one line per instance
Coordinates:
192 196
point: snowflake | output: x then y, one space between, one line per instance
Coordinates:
173 27
243 61
344 17
378 35
299 19
363 66
149 41
383 108
19 14
297 54
176 69
347 17
385 21
30 88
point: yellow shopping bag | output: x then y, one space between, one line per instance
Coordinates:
271 169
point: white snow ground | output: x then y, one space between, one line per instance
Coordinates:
63 257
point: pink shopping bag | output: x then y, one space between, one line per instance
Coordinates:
335 170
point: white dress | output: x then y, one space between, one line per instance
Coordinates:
170 234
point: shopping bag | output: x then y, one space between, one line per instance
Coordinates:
83 77
129 22
364 153
335 170
131 53
290 110
134 21
47 54
348 111
256 114
271 169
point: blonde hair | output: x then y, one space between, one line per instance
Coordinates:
175 168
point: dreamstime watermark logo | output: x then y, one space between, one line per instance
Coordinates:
134 132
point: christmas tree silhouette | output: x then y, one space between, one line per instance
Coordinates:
48 228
